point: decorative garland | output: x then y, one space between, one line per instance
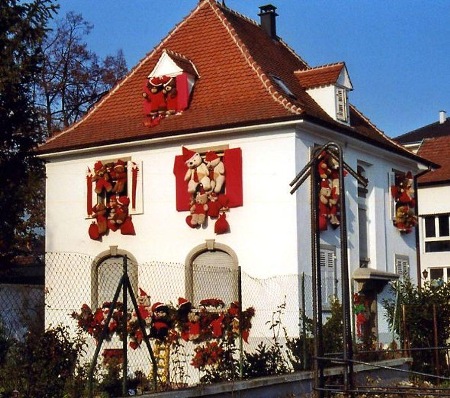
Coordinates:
205 179
110 182
167 323
403 194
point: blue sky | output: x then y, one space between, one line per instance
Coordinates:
397 52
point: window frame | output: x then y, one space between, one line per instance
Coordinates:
402 266
437 237
209 246
328 273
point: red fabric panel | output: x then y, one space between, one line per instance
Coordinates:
232 159
182 92
182 195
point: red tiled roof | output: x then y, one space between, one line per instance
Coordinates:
236 61
320 76
436 150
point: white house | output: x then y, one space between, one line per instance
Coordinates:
220 82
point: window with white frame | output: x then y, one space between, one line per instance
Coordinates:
212 272
436 233
440 273
328 275
402 266
106 277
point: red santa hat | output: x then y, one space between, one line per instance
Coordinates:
210 156
142 293
154 81
123 200
98 165
119 163
187 154
182 301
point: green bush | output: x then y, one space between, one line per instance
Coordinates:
43 365
420 316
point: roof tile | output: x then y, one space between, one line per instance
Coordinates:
237 63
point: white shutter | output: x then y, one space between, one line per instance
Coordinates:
402 266
327 271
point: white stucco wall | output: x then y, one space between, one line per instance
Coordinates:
270 233
428 205
161 231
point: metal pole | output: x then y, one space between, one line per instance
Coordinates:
241 346
304 324
436 341
124 325
316 284
346 307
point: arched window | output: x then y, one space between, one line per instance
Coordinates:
107 269
212 272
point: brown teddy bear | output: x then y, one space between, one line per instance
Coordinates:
119 176
198 210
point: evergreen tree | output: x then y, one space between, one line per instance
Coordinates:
22 30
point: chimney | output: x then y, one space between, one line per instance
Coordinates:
268 20
442 117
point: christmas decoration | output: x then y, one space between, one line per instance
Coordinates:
166 323
328 204
403 195
111 211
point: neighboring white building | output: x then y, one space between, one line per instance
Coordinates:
433 142
243 93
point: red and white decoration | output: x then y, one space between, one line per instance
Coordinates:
208 186
403 195
328 172
110 183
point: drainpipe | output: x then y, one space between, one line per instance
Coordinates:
419 266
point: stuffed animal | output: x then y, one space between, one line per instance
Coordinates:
405 218
403 191
99 213
324 196
101 178
119 176
170 94
322 168
216 171
198 210
214 205
197 172
160 321
121 210
155 102
144 306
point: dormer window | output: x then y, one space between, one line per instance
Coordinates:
328 85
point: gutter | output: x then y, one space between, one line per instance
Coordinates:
417 237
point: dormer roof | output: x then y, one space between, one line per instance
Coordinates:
326 75
172 64
238 69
